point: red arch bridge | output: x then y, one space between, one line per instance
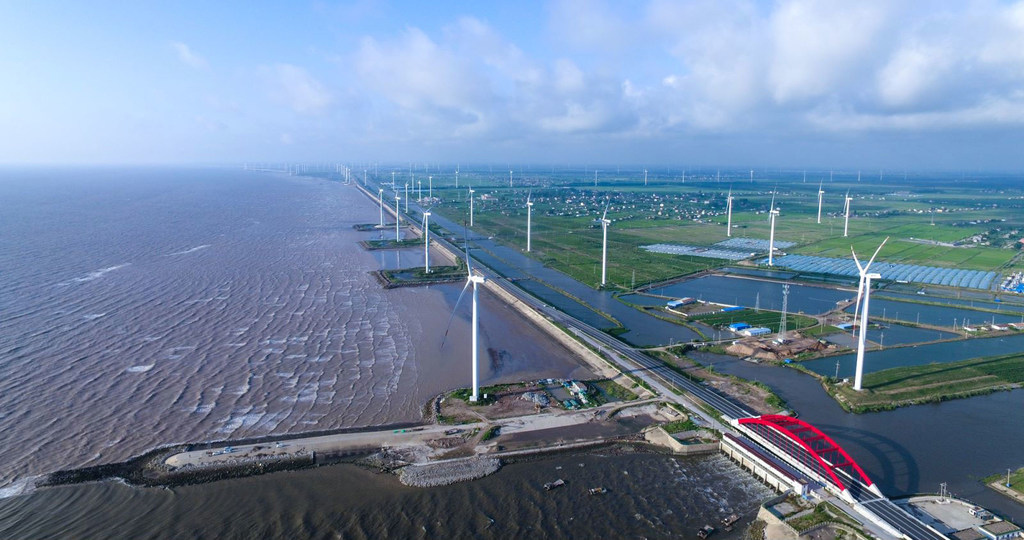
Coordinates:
808 446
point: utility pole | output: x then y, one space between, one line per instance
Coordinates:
785 304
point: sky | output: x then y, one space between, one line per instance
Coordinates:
790 83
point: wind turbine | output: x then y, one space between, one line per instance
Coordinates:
820 193
456 178
475 280
407 196
771 237
510 178
605 222
430 187
397 198
380 197
471 192
728 210
846 224
529 216
426 241
864 289
645 177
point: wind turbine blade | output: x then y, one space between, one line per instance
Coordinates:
528 195
868 265
859 267
773 201
605 214
452 317
856 309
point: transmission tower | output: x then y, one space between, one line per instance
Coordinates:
785 304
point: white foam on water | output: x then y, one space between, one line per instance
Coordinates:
140 369
189 250
96 274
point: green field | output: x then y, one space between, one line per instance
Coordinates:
566 237
933 382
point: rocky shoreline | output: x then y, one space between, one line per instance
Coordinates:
449 472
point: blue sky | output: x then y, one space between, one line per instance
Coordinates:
792 83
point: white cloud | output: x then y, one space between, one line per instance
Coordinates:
188 56
296 87
820 45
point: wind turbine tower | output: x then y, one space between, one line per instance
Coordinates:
430 187
471 192
456 178
846 223
605 222
645 177
771 236
510 178
407 196
785 306
865 291
529 218
397 198
728 211
821 192
380 197
426 242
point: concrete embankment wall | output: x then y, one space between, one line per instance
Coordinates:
765 471
658 436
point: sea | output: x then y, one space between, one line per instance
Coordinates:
143 307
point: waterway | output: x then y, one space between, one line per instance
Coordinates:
917 355
752 292
936 315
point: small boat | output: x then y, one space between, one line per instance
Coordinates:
556 484
597 490
705 531
728 521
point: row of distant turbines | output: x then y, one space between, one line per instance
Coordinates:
863 290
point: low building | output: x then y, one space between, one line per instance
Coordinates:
681 302
757 331
1000 530
736 327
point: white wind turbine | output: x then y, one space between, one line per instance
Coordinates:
426 241
771 236
471 192
605 222
529 216
476 280
398 238
430 187
821 192
510 178
864 289
407 196
728 213
380 197
456 178
846 224
645 177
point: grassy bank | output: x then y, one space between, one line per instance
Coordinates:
932 383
